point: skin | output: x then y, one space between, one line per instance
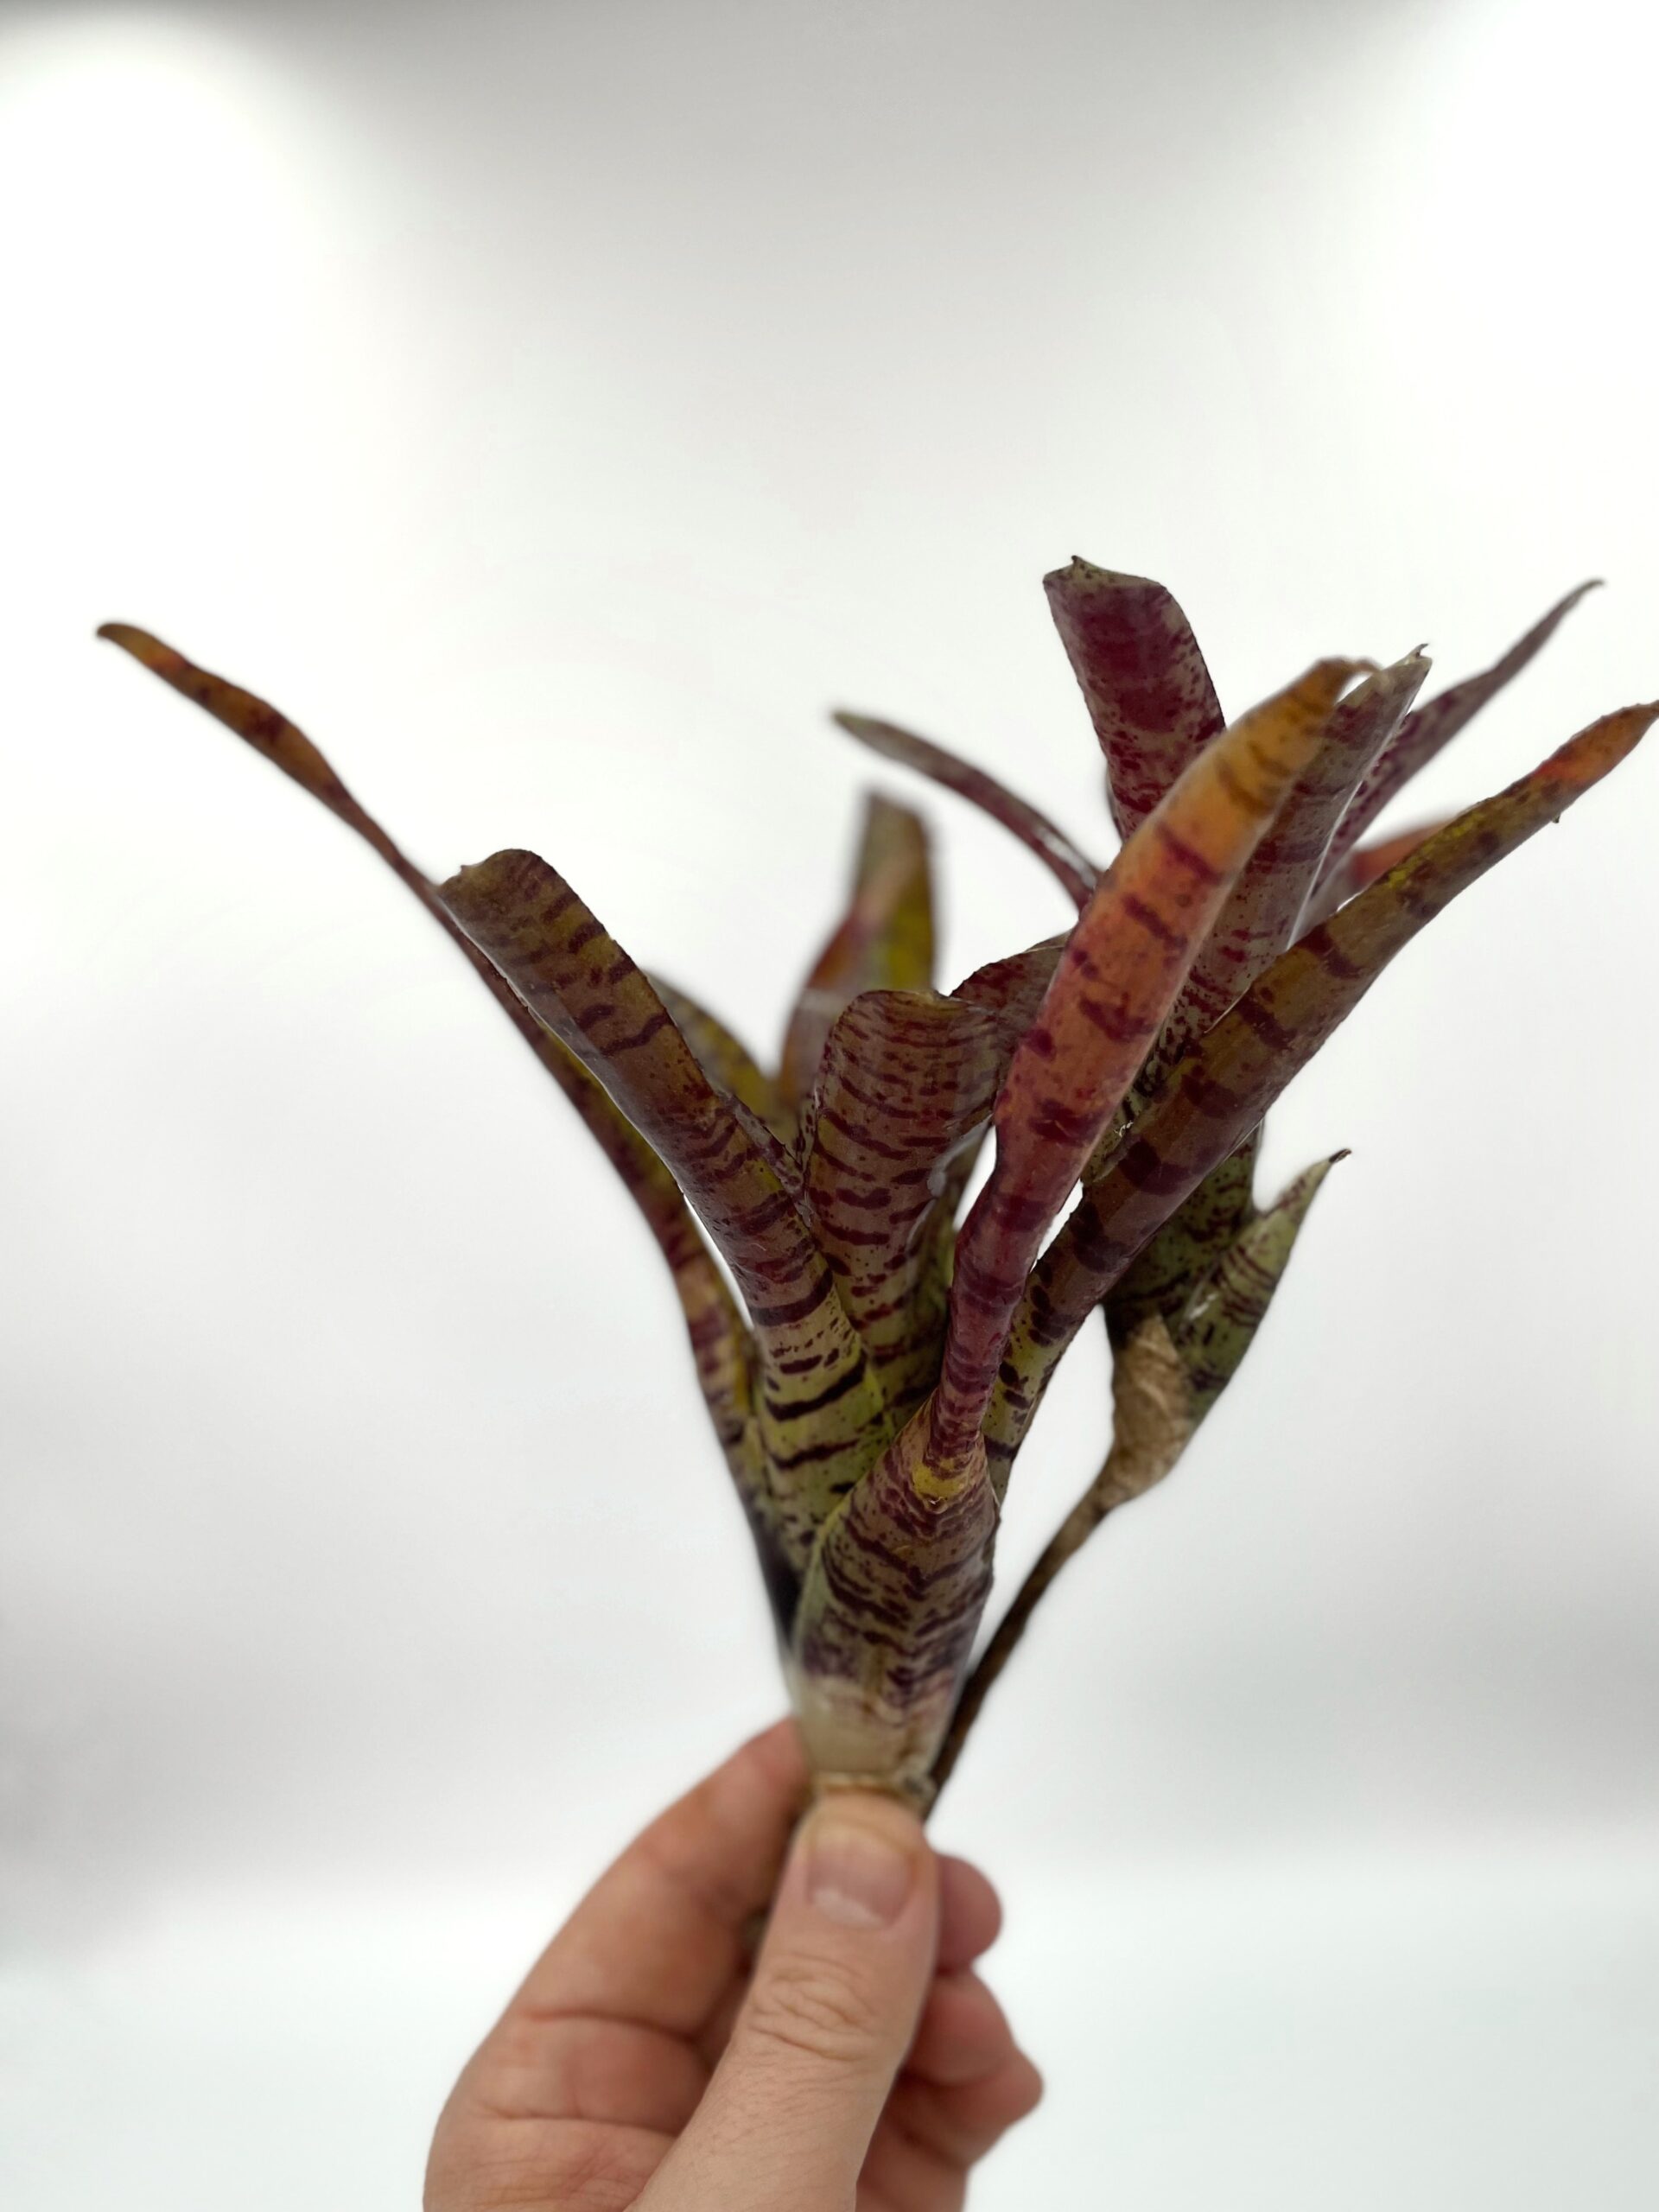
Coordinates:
857 2064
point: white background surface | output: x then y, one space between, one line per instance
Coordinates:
556 408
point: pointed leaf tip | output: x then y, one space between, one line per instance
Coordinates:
1122 968
1431 727
1220 1321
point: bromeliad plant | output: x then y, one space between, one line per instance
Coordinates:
874 1384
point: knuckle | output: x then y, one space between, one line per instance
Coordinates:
814 2007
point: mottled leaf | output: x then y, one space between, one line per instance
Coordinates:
1217 1324
1151 1426
727 1061
883 943
1166 1375
1116 980
1072 869
1263 915
1229 1078
1143 678
1365 863
718 1338
1017 985
819 1412
886 1620
908 1080
1186 1247
1432 727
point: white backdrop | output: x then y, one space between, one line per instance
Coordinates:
556 409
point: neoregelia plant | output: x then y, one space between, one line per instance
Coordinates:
873 1386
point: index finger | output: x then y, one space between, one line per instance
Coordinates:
658 1938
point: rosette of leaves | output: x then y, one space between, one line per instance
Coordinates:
873 1379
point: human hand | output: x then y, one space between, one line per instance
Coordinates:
859 2067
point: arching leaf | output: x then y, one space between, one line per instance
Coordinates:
1433 726
1143 679
1075 872
1228 1078
818 1411
883 943
1116 980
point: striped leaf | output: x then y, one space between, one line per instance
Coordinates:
1116 980
1218 1323
1263 915
727 1061
883 943
719 1340
1227 1080
1433 726
1186 1247
1166 1375
819 1413
1077 873
1017 985
908 1078
886 1622
1365 863
1143 679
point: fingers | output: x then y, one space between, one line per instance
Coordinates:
970 1915
970 1920
959 2124
830 2013
962 2036
659 1937
963 2085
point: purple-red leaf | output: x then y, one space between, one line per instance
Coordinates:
1263 915
718 1340
1143 678
883 943
886 1622
1422 734
908 1079
819 1411
727 1061
1229 1078
1365 863
1116 980
1073 869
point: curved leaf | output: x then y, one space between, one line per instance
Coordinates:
1075 872
908 1078
1186 1247
1433 726
886 1620
719 1341
883 943
1143 679
1229 1078
1365 863
1116 980
727 1061
1165 1377
819 1412
1263 915
1218 1323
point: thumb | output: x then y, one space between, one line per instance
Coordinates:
837 1991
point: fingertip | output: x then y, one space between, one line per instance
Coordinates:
971 1914
980 2112
1027 2086
964 2034
776 1750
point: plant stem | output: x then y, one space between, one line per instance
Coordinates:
1152 1426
